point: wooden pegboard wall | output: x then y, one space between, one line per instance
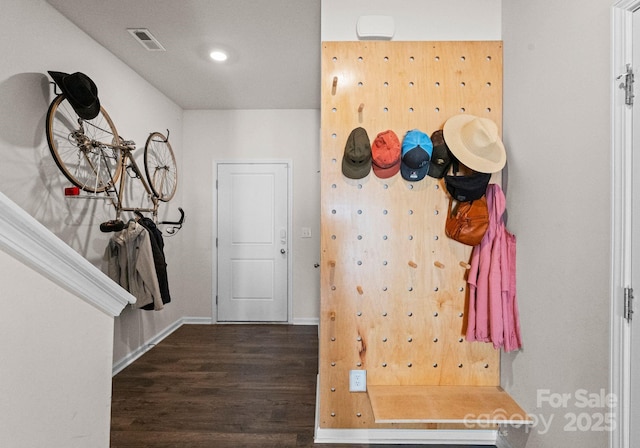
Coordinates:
393 288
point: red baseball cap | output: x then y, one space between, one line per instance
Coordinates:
385 151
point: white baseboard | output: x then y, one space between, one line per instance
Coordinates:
402 436
306 321
121 364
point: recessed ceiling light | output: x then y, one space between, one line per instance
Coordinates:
218 55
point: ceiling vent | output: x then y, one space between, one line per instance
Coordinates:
146 39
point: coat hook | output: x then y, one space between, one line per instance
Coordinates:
334 86
332 263
465 265
332 316
438 265
413 264
360 107
360 291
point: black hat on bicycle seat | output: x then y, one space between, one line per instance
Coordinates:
81 92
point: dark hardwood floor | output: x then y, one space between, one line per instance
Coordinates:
221 386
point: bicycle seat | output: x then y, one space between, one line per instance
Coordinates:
114 225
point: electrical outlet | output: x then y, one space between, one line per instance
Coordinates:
357 380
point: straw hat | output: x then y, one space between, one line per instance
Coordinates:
475 142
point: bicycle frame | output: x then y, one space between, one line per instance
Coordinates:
128 161
92 156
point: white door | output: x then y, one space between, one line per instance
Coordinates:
253 242
634 415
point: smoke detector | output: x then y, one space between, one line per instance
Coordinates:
146 39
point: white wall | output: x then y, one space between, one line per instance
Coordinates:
35 38
56 351
213 136
557 131
416 19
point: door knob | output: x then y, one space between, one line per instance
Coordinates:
282 251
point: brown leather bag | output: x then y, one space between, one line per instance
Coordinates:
467 222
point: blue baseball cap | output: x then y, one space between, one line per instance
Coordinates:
416 154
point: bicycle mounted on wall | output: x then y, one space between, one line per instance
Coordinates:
87 149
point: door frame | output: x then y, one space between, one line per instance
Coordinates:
621 178
290 242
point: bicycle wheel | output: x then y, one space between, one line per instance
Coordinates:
160 167
77 146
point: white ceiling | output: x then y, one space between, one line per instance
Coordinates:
274 47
